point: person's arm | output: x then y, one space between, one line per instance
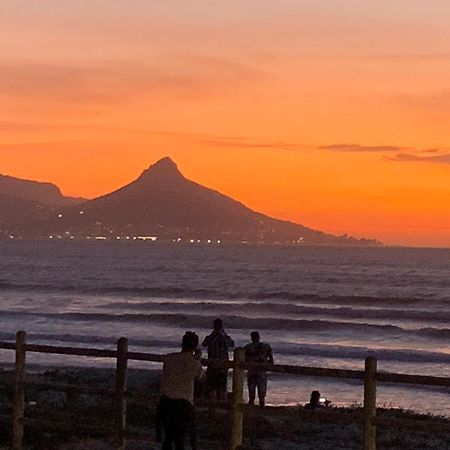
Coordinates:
246 353
229 341
199 375
270 355
205 342
198 354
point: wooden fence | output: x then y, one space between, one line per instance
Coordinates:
369 376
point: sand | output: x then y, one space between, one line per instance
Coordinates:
271 428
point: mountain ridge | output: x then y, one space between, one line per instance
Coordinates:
162 204
39 191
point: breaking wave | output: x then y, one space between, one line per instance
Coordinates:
285 348
238 322
279 297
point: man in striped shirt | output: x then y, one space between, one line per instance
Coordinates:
218 344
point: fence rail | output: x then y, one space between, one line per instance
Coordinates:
370 376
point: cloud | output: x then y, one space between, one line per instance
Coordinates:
19 126
242 142
402 154
361 148
413 57
113 81
431 150
203 138
41 145
434 102
443 158
100 83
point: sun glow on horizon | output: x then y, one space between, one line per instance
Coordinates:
334 116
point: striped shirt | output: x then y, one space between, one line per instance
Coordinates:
218 343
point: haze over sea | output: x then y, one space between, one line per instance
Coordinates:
324 307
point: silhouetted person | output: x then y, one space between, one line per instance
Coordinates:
175 414
314 401
257 352
218 343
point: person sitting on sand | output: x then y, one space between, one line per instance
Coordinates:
175 413
315 401
218 343
257 352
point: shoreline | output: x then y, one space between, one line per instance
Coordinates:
286 427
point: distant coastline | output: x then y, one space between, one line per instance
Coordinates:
160 205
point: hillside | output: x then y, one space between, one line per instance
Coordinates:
35 191
164 204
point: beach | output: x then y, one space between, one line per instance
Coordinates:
269 429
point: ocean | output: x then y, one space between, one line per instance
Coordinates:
323 307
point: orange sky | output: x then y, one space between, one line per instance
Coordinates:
334 114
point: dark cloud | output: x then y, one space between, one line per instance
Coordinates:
431 150
443 158
361 148
402 154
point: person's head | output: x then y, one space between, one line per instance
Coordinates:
218 324
315 398
189 342
255 337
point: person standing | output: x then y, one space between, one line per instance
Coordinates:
257 352
218 344
175 413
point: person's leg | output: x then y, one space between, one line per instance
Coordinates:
168 416
169 438
193 430
211 384
222 385
221 396
184 425
167 444
262 388
251 384
158 422
179 443
193 435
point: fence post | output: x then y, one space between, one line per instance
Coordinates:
121 389
237 416
370 399
19 391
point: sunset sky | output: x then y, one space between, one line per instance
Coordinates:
331 113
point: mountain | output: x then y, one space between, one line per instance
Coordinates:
162 203
34 191
17 212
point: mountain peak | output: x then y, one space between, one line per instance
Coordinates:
165 162
164 168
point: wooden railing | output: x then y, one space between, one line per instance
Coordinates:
369 376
